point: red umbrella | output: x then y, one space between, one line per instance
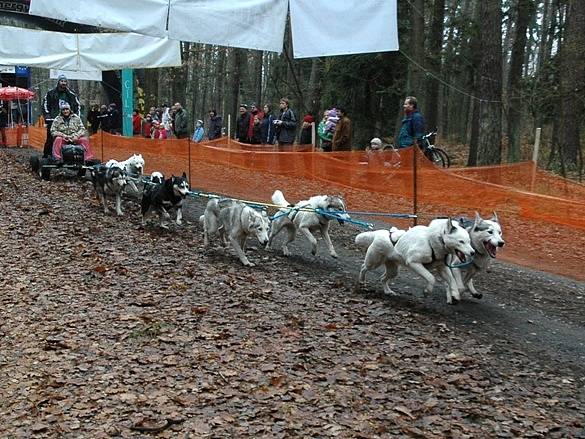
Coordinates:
13 93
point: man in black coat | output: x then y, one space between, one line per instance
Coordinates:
214 128
52 107
3 125
242 125
286 124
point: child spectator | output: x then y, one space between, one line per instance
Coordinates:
158 131
199 132
332 119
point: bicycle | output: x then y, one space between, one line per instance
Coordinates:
435 154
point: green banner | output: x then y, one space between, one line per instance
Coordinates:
127 101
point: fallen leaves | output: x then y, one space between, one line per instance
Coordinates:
110 331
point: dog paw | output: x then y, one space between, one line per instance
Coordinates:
454 301
333 255
249 264
179 223
477 295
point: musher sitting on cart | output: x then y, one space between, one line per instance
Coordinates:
67 128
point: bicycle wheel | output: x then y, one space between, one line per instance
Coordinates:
445 160
438 157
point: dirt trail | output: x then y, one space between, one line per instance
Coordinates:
108 330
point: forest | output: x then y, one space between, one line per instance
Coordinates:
485 73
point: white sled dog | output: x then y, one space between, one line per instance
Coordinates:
293 218
235 221
423 247
378 245
134 166
486 238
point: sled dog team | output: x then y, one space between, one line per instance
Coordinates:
457 249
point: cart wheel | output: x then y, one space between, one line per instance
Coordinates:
45 172
35 163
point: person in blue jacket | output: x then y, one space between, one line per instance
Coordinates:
413 125
199 132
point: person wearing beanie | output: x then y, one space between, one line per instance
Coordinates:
199 131
375 145
51 108
306 137
67 128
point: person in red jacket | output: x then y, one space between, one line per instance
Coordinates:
136 122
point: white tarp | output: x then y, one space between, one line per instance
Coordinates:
86 52
251 24
37 48
86 76
319 27
148 17
325 28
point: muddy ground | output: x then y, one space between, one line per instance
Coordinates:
108 330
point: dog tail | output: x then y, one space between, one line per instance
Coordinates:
364 240
278 199
202 220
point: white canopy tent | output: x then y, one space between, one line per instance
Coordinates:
86 52
319 27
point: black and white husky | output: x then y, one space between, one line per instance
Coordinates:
234 221
109 181
165 196
305 218
486 238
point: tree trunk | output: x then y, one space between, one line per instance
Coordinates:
524 15
572 82
417 50
489 151
434 63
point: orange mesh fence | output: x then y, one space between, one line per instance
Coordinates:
539 222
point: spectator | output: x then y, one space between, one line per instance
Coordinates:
153 114
181 125
342 136
256 131
3 125
199 132
214 127
51 108
166 119
413 125
158 131
267 127
67 128
306 137
115 119
286 124
325 136
136 122
242 125
104 119
92 118
375 145
254 112
147 126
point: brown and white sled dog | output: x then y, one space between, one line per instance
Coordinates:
378 245
424 247
296 218
234 221
486 238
